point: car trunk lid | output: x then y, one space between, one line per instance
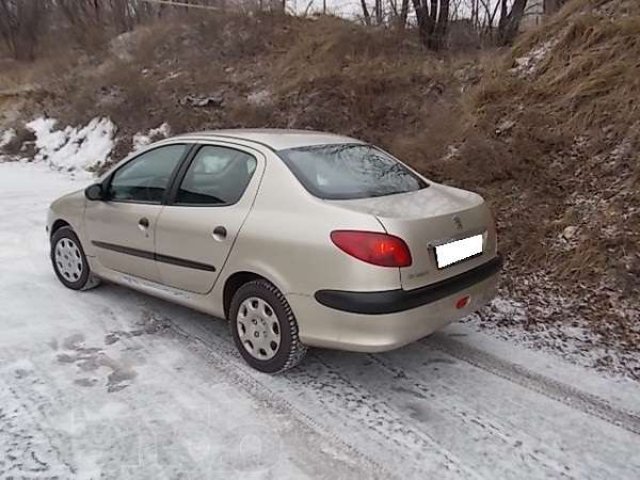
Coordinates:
427 218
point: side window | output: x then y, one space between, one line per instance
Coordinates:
145 178
217 176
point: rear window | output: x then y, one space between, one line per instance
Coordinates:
349 171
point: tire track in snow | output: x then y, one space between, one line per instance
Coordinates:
338 394
230 365
408 389
524 377
396 424
221 356
335 392
578 444
29 449
521 444
52 412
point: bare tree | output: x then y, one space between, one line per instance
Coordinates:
404 13
433 20
484 13
80 13
377 9
365 12
121 15
475 14
93 20
509 23
552 6
21 24
457 10
399 17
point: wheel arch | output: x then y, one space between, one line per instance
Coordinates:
294 350
234 281
57 225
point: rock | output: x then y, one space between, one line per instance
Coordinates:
259 98
505 126
122 46
569 232
215 101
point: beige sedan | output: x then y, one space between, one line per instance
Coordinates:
297 238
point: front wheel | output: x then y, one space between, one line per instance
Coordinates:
69 262
264 328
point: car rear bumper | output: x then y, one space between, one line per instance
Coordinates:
392 301
379 321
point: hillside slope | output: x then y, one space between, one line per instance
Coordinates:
555 146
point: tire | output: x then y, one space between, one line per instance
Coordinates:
69 261
252 301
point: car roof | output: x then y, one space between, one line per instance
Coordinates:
274 138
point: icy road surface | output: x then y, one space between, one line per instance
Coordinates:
114 384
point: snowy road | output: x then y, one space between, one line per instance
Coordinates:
114 384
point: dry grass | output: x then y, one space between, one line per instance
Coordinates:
325 74
575 125
557 146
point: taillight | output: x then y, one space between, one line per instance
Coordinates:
463 302
375 248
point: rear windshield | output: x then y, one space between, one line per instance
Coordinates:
349 171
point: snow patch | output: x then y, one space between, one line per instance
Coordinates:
260 98
141 140
7 136
552 323
123 46
510 309
453 153
73 148
527 65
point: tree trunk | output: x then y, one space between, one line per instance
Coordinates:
552 6
432 22
365 12
433 15
440 34
404 13
21 24
378 12
509 24
422 19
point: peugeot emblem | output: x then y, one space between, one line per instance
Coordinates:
456 219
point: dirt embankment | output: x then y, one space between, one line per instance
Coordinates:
555 146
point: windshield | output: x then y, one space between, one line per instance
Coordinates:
349 171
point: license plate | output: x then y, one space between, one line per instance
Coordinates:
454 252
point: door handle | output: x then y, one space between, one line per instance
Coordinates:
219 233
143 223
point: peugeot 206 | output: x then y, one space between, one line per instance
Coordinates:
299 239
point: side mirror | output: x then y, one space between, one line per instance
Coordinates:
94 192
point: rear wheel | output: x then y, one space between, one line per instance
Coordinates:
69 261
264 328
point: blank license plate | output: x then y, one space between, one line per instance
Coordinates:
454 252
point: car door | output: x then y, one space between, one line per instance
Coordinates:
209 203
122 227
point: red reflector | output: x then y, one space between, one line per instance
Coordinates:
375 248
463 302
